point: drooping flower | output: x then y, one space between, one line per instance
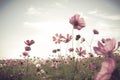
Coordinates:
105 48
27 48
68 38
71 49
54 51
29 42
77 22
91 55
77 37
95 31
82 40
58 38
80 52
25 53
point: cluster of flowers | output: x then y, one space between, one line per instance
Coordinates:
105 48
27 47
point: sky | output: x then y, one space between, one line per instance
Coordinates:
40 20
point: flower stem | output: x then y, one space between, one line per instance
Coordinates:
73 40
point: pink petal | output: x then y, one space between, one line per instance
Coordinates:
97 50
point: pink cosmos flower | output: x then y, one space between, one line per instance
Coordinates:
77 22
29 42
71 49
54 65
68 38
95 31
25 53
54 51
82 40
27 48
58 38
107 68
93 66
80 52
105 48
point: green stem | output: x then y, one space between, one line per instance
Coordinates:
73 40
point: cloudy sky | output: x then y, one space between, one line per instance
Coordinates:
41 19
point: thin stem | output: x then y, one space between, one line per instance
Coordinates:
91 43
73 40
27 68
66 48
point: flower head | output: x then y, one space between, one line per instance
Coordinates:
68 38
25 53
27 48
95 31
80 52
77 37
82 40
71 49
77 22
105 48
93 66
58 38
29 42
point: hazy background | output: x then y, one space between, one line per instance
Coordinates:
41 19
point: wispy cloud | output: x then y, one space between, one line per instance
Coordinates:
104 15
33 11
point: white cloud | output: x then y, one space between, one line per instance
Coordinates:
93 12
104 15
33 11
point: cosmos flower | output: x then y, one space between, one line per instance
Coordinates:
25 53
54 51
38 65
71 49
58 38
77 37
68 38
95 31
77 22
29 42
80 52
54 65
27 48
105 48
93 66
82 40
107 68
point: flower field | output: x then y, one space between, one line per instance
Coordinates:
51 69
79 64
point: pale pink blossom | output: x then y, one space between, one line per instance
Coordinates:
68 38
71 49
58 38
105 48
77 22
82 40
27 48
54 65
107 68
95 31
29 42
25 53
80 52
